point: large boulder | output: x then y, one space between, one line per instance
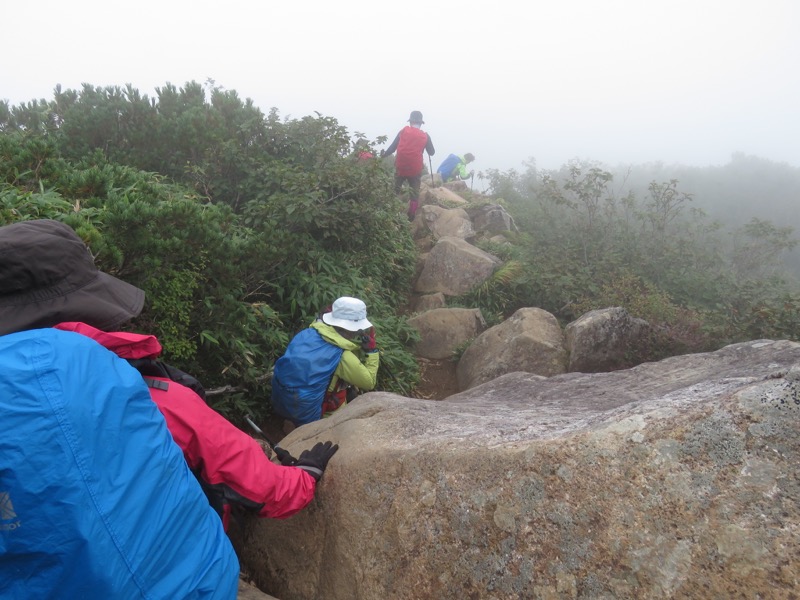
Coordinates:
443 330
247 591
454 267
491 219
428 302
675 479
457 185
438 222
530 340
605 340
441 196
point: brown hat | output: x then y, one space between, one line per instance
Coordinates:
48 276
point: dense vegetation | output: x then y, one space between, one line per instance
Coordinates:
583 245
241 226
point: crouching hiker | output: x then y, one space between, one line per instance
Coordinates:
455 167
336 356
99 492
230 466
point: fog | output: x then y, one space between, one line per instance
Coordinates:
622 81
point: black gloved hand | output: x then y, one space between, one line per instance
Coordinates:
315 460
368 343
287 460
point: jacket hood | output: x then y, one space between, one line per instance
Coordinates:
329 333
123 344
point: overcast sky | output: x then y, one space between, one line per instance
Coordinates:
617 81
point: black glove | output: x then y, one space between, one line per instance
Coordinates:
368 341
315 460
287 460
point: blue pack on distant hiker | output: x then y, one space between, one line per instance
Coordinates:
302 375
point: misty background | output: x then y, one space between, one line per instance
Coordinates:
702 91
685 82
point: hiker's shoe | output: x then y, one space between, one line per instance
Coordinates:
412 209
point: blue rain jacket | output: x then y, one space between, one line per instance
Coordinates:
96 500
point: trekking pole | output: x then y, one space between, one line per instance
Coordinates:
387 370
286 459
392 376
257 429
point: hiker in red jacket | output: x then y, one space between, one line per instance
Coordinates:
48 279
409 144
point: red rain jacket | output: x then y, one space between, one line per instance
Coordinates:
409 152
222 456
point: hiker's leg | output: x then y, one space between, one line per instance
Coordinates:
398 184
413 203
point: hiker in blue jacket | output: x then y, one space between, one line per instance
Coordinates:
96 500
455 167
337 354
96 497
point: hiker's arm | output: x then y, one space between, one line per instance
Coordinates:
362 375
429 146
224 455
392 147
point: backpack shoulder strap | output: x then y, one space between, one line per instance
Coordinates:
157 384
150 368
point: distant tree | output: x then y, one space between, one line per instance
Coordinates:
582 241
758 247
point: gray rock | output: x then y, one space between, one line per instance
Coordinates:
441 196
491 218
530 340
441 222
454 267
675 479
250 592
604 340
429 302
442 330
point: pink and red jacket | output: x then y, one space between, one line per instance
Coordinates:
230 465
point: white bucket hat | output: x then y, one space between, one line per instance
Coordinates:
348 313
